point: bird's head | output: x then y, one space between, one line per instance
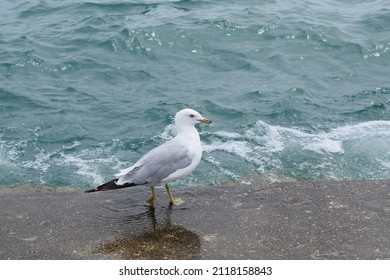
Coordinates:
187 117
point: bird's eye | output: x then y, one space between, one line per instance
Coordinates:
192 116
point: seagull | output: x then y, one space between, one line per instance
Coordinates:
166 163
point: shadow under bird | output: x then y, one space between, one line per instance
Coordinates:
166 163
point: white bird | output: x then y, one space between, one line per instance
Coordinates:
166 163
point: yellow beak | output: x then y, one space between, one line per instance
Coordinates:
206 121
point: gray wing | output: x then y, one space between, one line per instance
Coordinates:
158 164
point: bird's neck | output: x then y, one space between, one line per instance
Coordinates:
188 132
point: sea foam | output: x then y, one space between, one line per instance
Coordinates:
349 151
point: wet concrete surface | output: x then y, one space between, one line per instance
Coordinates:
296 220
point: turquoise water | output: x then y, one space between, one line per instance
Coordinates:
298 90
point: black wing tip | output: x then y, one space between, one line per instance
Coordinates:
111 185
106 186
92 190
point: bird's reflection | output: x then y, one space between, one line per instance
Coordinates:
151 235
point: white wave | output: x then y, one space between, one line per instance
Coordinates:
41 162
168 133
365 129
275 152
72 164
385 163
86 168
273 149
10 150
89 162
71 146
239 148
320 145
228 135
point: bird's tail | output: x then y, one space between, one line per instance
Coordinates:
111 185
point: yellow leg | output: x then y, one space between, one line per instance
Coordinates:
176 201
151 200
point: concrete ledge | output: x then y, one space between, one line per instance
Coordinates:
297 220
